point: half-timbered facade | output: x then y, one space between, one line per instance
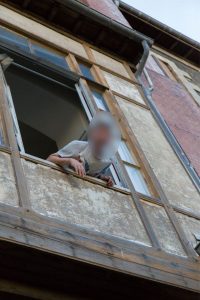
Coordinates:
64 237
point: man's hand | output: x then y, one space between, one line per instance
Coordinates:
108 180
77 166
75 163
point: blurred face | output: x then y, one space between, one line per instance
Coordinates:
100 138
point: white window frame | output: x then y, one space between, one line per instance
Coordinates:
14 117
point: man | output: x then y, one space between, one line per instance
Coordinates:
93 157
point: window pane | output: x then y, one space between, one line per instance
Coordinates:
125 153
137 180
13 39
153 65
85 70
100 102
50 56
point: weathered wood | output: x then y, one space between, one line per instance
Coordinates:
15 214
143 215
19 174
172 270
79 279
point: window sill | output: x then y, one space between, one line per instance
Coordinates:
71 172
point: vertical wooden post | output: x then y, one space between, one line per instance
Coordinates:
24 199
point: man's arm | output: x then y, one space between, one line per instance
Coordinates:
103 176
70 162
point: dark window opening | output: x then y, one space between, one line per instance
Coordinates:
50 115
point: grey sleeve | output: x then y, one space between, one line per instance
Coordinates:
73 149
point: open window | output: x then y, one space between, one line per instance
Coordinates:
49 114
50 105
46 108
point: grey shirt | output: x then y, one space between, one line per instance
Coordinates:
93 166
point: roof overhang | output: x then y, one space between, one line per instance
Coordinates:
86 23
164 36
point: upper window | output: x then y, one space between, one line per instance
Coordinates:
99 100
17 41
48 55
86 70
22 44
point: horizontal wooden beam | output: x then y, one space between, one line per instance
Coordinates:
103 251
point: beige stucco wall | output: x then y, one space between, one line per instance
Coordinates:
76 201
173 178
163 228
110 63
123 87
8 190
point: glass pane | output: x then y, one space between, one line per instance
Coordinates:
85 70
50 56
138 180
13 39
100 102
125 153
153 65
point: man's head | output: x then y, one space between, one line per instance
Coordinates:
104 136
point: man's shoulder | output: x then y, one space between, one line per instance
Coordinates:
72 149
81 144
